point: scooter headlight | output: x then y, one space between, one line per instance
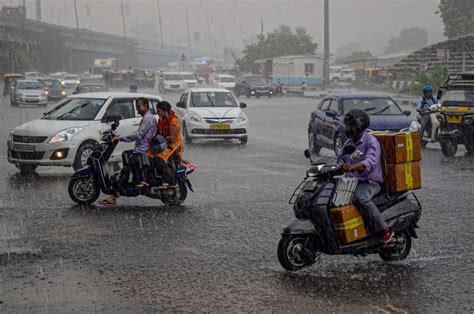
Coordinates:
65 135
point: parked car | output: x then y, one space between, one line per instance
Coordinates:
53 89
225 81
66 135
211 113
341 74
71 81
326 123
253 85
28 92
35 75
90 88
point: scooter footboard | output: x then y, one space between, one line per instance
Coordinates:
299 226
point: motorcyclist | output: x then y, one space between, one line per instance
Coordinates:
365 164
142 138
170 128
279 88
424 109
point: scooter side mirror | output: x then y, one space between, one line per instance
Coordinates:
348 149
307 153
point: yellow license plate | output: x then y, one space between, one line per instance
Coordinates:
454 119
220 126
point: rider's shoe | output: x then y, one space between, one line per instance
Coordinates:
387 236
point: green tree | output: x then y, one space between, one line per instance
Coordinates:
434 77
282 41
409 39
355 56
458 17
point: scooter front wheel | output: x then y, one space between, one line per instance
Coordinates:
83 190
291 254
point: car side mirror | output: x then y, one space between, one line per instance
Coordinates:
307 153
243 105
112 117
407 112
331 114
181 105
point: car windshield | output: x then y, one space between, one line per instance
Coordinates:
459 95
46 83
373 106
56 84
255 80
29 85
227 80
212 99
188 77
75 109
72 77
92 88
172 77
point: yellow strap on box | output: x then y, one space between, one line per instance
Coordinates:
408 176
350 224
409 140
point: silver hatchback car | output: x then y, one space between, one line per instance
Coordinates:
66 135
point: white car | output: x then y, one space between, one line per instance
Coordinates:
189 79
35 75
341 74
172 82
225 81
66 135
71 81
211 113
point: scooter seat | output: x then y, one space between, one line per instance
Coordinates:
384 199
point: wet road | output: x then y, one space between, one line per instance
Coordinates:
218 252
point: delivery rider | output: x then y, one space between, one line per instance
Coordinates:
365 164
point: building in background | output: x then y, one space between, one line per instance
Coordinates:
291 70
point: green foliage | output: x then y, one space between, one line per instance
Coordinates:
458 17
434 77
409 39
283 41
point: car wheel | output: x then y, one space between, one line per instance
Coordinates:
26 168
243 140
83 153
186 138
338 143
313 146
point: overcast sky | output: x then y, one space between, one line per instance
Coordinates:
371 23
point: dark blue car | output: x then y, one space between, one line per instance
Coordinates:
326 125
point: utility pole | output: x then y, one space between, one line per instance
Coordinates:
75 11
38 10
123 19
189 33
161 24
326 42
261 50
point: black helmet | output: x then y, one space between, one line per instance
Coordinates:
359 121
163 105
158 144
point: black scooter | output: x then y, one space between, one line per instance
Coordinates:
303 240
87 183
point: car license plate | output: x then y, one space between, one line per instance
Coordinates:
24 148
454 119
216 126
310 185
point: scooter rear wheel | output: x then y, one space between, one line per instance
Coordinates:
398 249
183 193
291 253
83 190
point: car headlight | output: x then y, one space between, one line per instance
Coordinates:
242 117
65 135
194 117
10 136
414 126
63 93
63 82
46 93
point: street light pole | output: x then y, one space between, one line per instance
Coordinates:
159 21
75 11
261 52
123 19
326 42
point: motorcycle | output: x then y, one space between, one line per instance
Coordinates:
431 134
303 240
87 183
